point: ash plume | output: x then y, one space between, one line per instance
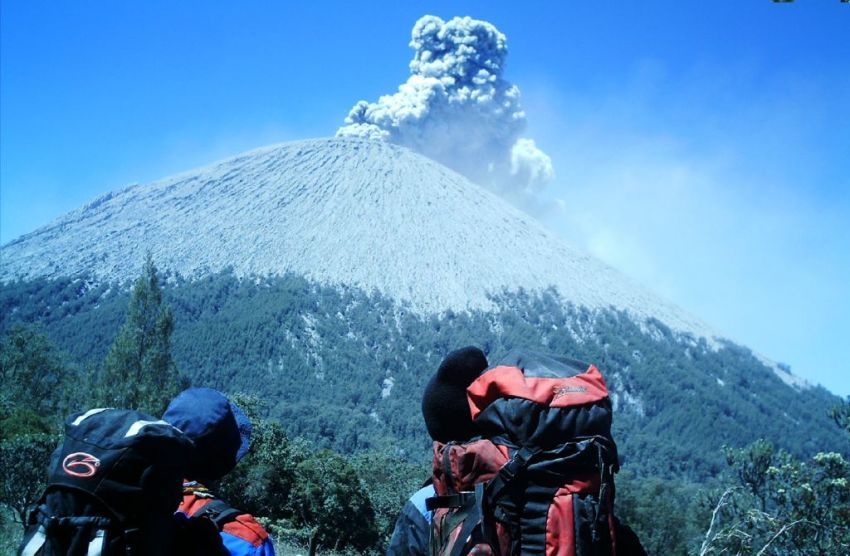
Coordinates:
457 108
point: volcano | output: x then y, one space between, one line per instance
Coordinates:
340 211
330 277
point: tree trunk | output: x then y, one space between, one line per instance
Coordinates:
312 549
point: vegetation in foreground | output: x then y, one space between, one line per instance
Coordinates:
761 500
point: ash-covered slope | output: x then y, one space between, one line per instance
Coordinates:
340 211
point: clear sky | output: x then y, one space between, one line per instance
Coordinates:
701 147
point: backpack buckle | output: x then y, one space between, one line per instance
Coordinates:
517 464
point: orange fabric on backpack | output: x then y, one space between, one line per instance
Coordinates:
246 527
510 382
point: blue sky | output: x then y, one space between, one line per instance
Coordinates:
702 148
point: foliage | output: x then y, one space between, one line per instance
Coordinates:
262 482
139 371
321 357
389 480
10 532
751 464
306 496
841 414
36 387
24 460
789 507
665 514
330 503
34 382
344 369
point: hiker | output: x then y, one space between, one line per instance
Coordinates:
446 412
221 433
113 488
524 465
540 479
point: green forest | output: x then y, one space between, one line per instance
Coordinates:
718 455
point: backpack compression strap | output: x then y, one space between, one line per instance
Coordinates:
468 515
47 524
219 512
514 467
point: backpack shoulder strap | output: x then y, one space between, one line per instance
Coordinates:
467 516
219 512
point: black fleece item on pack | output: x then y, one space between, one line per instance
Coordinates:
444 404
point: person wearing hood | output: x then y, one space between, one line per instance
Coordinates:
447 417
222 434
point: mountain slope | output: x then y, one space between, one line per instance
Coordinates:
346 368
340 211
329 277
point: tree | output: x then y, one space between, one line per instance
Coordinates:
799 508
139 372
24 460
841 414
388 480
663 512
32 382
751 464
331 504
262 482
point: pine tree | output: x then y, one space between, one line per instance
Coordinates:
139 372
841 414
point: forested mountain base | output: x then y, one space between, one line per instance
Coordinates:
345 368
337 373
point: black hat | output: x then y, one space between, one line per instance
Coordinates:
444 404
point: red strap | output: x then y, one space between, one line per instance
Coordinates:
192 504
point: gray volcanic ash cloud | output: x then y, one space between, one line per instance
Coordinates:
458 109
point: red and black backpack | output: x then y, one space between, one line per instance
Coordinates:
540 480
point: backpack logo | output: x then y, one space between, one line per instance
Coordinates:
561 391
80 464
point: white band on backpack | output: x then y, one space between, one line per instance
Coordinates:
96 544
139 425
88 414
35 543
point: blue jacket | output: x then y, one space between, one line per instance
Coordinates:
413 526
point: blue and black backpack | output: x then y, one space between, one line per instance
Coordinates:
113 488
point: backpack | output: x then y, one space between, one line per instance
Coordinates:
219 512
539 480
241 532
113 487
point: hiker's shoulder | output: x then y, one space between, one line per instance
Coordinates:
417 500
247 528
